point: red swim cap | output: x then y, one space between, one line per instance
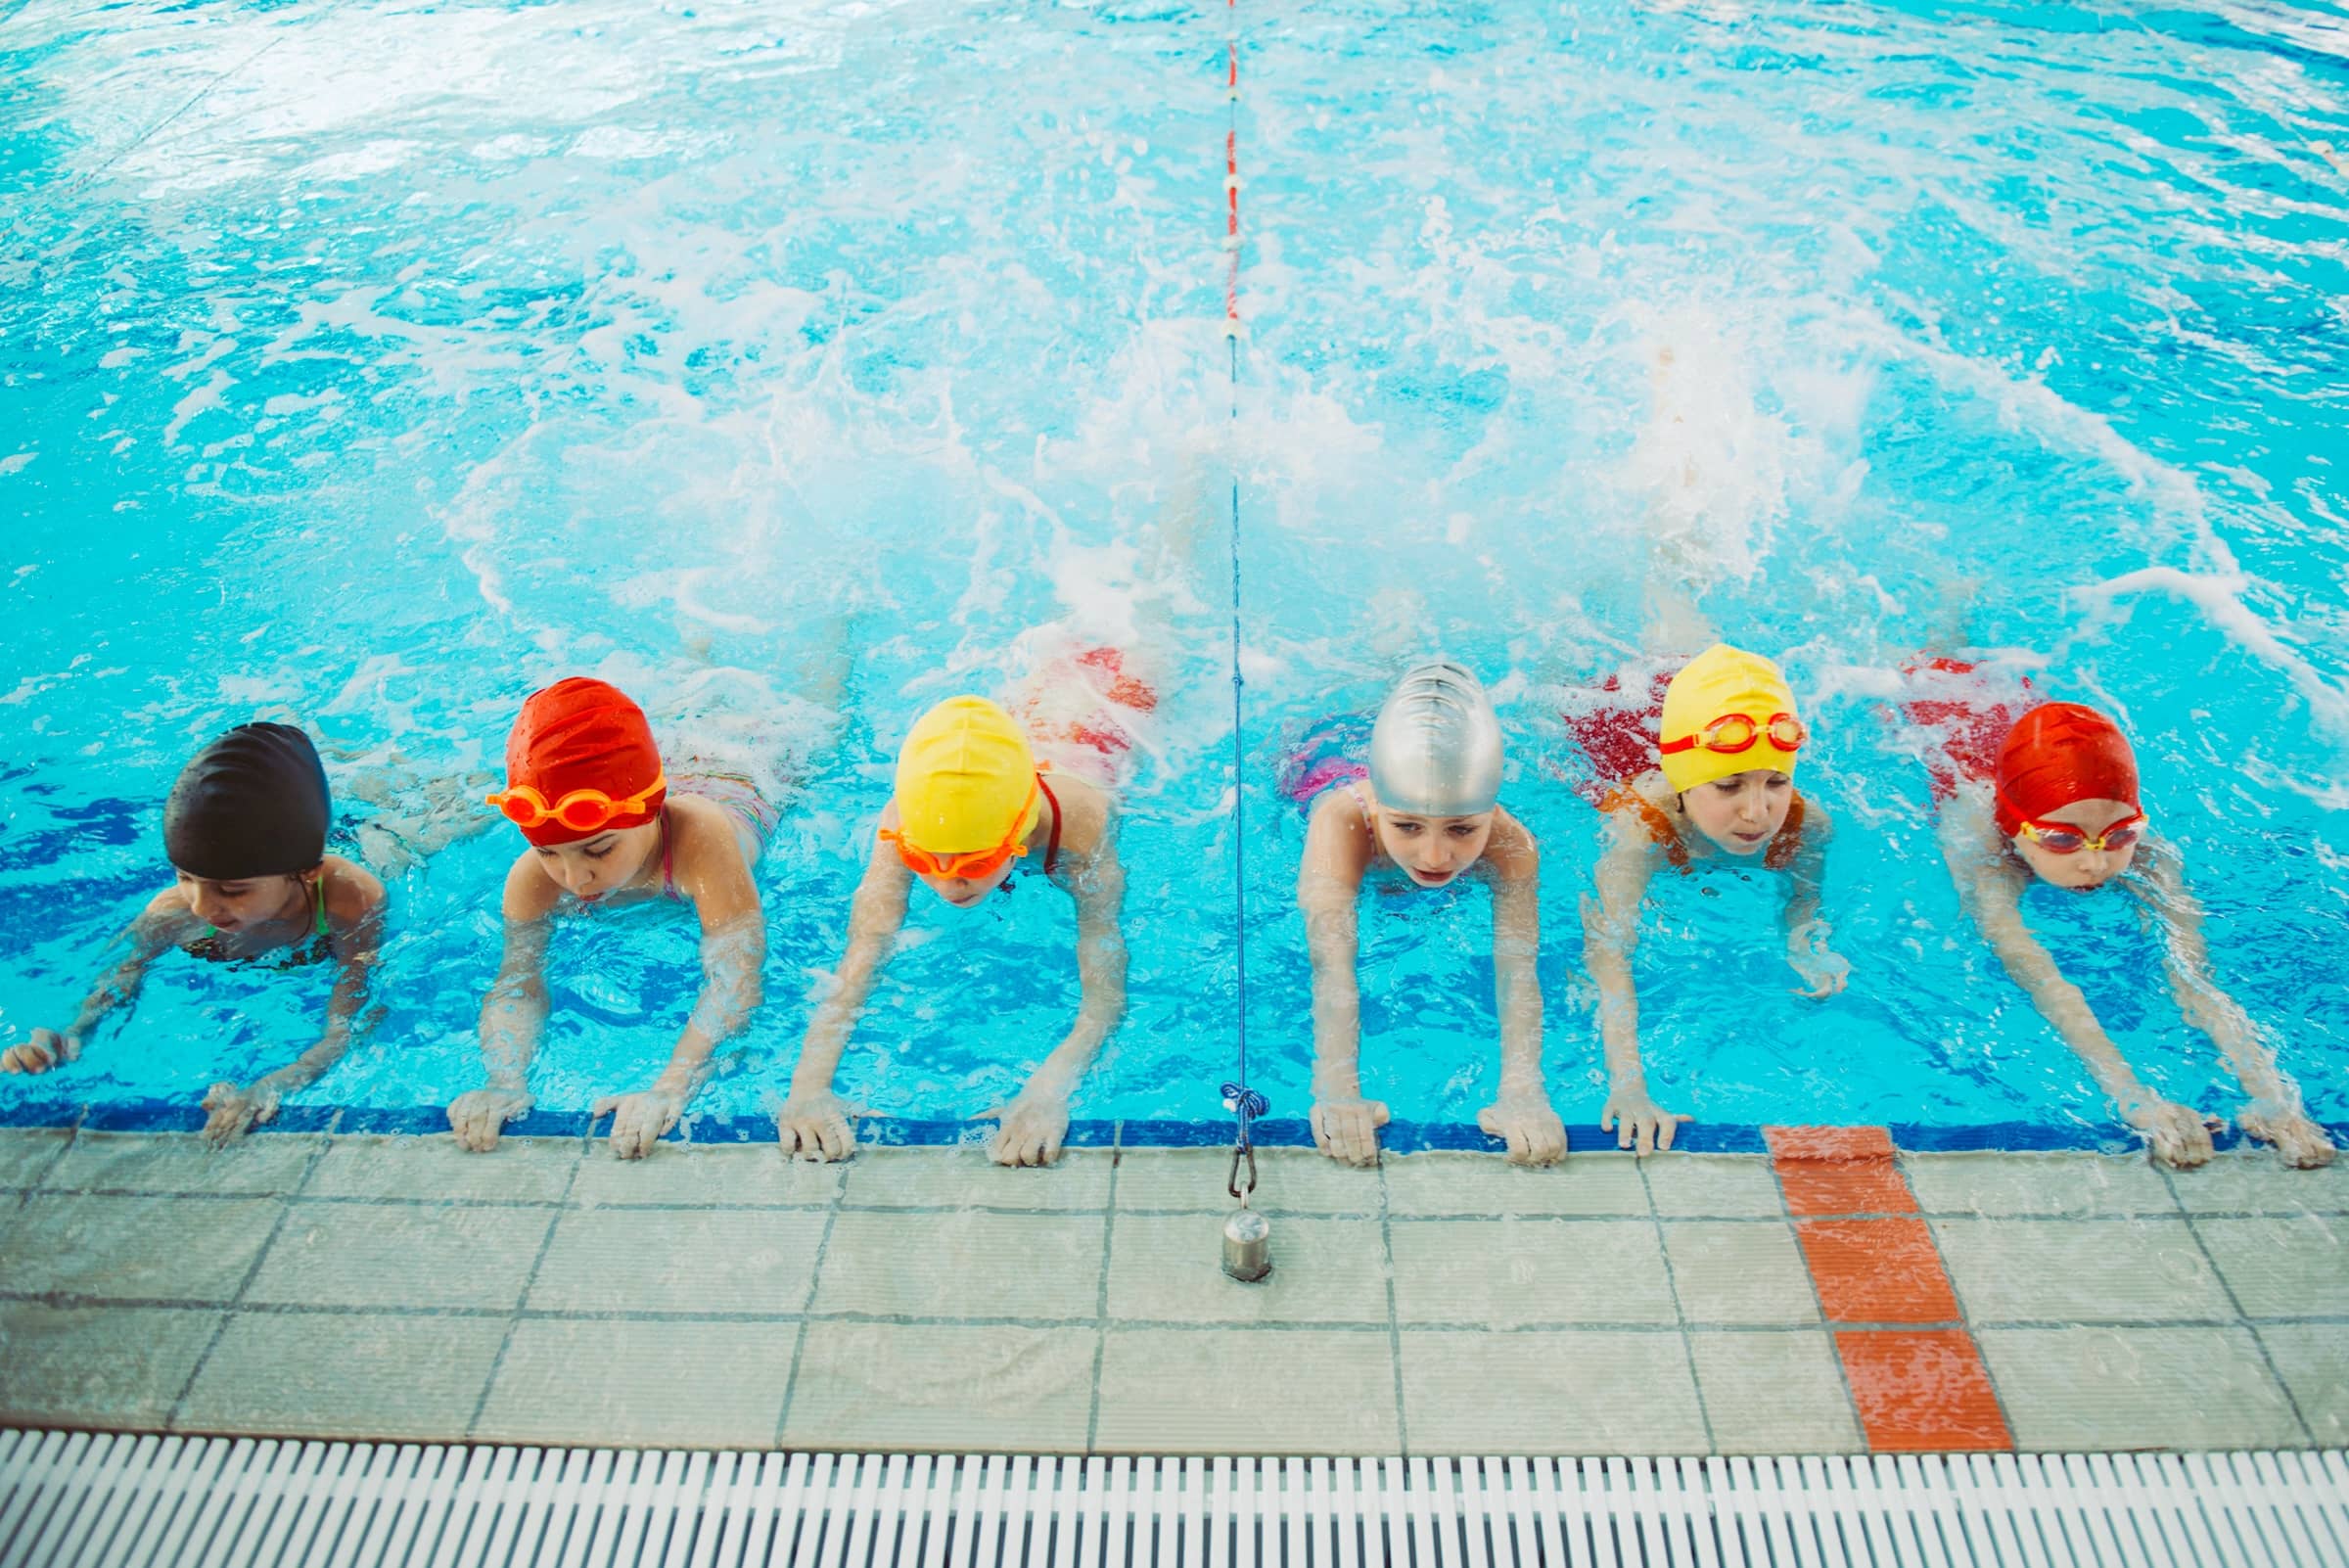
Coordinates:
582 734
2059 753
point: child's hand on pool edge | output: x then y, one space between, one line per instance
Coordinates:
1638 1123
2298 1142
237 1111
817 1125
1347 1130
1035 1122
2175 1135
1533 1130
478 1116
47 1049
638 1120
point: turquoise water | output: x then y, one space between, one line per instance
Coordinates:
374 364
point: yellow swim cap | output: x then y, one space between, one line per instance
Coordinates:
965 779
1722 682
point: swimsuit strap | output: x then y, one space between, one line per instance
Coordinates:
318 896
668 881
1787 839
1052 845
1651 817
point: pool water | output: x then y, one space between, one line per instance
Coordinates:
374 364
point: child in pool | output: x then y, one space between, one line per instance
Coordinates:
2051 794
609 826
245 829
1426 805
1703 777
983 790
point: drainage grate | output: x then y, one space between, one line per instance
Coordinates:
71 1500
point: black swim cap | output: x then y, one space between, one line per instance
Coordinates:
252 804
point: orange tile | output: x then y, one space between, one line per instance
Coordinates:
1877 1271
1829 1142
1844 1186
1921 1390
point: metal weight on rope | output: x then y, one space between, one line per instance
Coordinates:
1247 1234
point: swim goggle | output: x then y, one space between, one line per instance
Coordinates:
971 865
1732 733
2062 838
580 810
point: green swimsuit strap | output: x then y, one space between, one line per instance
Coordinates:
317 904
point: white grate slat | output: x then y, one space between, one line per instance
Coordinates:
102 1501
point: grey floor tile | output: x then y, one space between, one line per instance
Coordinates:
1573 1391
27 1151
957 1387
2082 1185
2078 1271
2313 1359
2250 1181
1775 1393
966 1263
113 1366
434 1168
265 1165
964 1177
135 1248
713 1175
1259 1391
621 1382
1505 1273
2128 1388
1169 1268
1480 1185
707 1261
1725 1186
400 1255
1740 1272
344 1375
1287 1181
2277 1268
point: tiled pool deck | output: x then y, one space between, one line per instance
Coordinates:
1833 1298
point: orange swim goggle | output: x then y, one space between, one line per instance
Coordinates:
580 810
971 865
2065 838
1732 733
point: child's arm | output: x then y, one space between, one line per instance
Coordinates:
513 1014
1824 970
2276 1114
1991 893
1610 931
160 927
354 912
1521 1113
1328 879
814 1121
712 871
1038 1119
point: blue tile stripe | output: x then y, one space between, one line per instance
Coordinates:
1399 1138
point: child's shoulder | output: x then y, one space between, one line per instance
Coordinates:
352 891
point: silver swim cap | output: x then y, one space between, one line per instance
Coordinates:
1436 749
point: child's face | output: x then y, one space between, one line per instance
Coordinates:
241 904
1743 811
1433 850
593 867
964 892
2083 870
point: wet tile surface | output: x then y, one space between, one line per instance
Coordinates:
1507 1273
2080 1271
2086 1387
1278 1391
942 1386
342 1374
120 1366
571 1297
1480 1185
1562 1392
2251 1182
26 1152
